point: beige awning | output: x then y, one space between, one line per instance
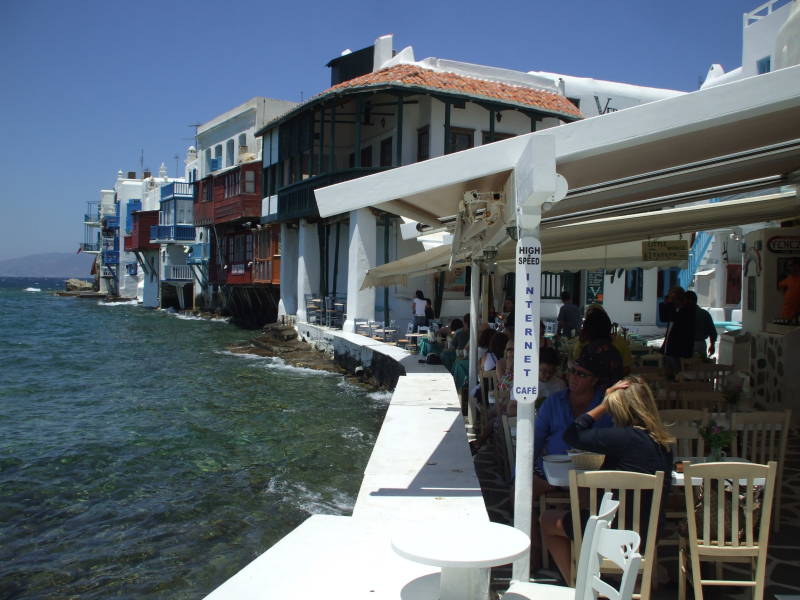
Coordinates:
608 243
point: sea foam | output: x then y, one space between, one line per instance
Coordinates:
274 362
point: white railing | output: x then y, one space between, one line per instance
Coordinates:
762 11
179 272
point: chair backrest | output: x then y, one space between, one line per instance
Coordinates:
761 436
716 525
423 329
620 547
410 327
711 401
606 513
684 425
712 373
628 487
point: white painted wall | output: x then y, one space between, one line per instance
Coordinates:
289 260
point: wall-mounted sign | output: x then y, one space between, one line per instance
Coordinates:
594 286
784 244
665 250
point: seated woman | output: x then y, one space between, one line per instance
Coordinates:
448 355
596 333
638 442
560 409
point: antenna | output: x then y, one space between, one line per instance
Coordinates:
301 96
177 167
141 160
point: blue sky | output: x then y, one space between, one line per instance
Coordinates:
88 84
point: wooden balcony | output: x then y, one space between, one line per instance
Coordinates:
234 274
243 206
203 213
267 271
139 238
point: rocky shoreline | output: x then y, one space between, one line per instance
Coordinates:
281 341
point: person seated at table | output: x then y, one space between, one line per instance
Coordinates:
596 335
560 409
461 337
549 381
495 358
448 355
638 442
484 345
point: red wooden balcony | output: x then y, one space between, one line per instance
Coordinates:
203 213
267 271
139 238
242 206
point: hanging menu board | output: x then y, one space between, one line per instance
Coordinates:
594 286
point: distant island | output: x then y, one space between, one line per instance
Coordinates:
52 264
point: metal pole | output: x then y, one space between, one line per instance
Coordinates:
473 341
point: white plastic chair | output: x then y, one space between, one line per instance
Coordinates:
618 546
520 590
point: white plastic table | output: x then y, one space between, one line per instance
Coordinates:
464 550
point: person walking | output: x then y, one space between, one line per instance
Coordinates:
703 328
679 341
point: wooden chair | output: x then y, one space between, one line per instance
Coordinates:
711 401
487 387
741 540
628 488
684 425
600 544
761 437
509 451
671 395
711 373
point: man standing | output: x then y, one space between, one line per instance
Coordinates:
703 328
679 341
569 317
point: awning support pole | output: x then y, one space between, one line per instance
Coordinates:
535 184
475 277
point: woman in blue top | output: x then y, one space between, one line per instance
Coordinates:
560 409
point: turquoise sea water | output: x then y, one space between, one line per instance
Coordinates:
140 459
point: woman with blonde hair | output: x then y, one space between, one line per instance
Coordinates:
638 442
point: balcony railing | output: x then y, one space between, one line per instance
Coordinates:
177 189
297 200
111 257
267 271
198 254
203 213
237 207
177 273
166 234
91 219
90 247
111 222
107 272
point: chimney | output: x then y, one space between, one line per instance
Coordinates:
131 174
382 53
146 174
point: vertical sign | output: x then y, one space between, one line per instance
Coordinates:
526 319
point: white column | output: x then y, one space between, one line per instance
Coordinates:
287 305
360 258
535 182
474 281
307 265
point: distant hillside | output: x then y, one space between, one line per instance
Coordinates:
53 264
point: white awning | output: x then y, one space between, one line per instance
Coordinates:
609 243
722 135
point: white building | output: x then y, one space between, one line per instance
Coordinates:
406 111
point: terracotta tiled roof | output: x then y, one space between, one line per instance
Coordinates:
414 76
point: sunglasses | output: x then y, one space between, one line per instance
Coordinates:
581 374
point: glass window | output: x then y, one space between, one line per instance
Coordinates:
366 156
763 65
249 182
229 151
461 139
386 152
634 279
423 143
